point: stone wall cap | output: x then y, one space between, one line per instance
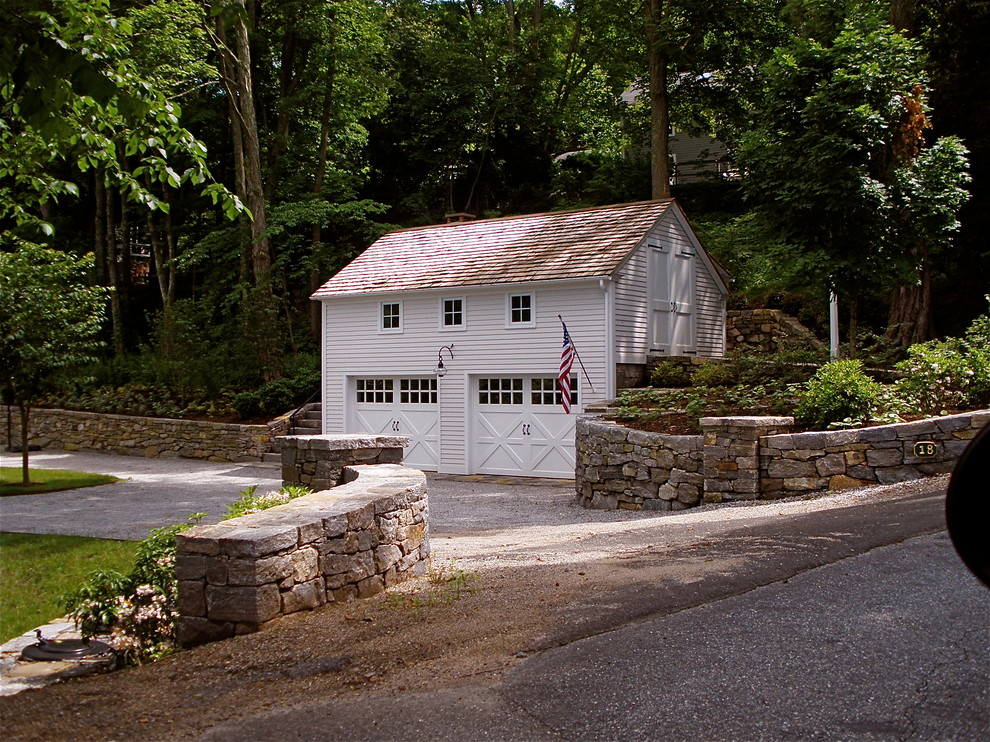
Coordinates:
343 441
746 421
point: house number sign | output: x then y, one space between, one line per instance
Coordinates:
925 449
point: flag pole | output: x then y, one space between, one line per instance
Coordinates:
577 355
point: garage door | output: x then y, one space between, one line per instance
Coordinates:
400 406
519 427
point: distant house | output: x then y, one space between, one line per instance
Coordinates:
698 158
629 280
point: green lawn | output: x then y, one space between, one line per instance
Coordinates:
35 571
48 480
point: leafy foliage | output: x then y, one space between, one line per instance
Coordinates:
839 390
138 610
834 159
945 375
70 96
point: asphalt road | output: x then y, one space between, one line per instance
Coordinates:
892 644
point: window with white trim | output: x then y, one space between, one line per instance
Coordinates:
375 391
452 313
391 316
418 391
500 391
521 310
545 390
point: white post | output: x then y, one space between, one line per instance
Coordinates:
833 325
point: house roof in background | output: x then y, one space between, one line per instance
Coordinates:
557 245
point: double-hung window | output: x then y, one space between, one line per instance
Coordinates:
452 313
391 316
521 310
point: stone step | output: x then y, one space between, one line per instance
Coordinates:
311 424
271 458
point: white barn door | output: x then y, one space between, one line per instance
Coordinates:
672 325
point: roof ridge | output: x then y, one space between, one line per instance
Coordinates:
531 215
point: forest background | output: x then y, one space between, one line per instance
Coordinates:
219 160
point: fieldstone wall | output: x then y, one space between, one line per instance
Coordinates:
349 542
129 435
731 454
618 467
746 458
318 461
797 463
764 329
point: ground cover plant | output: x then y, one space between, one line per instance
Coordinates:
936 378
48 480
36 570
137 610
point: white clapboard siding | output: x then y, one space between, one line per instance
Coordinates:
486 346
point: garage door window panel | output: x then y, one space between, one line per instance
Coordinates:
500 391
375 391
418 391
545 391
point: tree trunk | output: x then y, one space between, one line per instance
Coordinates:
113 274
25 470
853 326
315 307
260 249
659 102
910 318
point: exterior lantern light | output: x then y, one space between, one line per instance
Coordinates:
440 370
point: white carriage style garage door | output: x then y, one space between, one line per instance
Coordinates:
400 406
519 427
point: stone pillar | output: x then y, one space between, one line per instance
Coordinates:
318 461
732 454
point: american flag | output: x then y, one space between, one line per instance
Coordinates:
564 375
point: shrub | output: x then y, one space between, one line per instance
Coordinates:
138 610
668 374
247 405
712 374
839 391
938 376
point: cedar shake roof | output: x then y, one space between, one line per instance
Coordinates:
585 243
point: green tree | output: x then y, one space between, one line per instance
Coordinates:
49 324
71 102
834 160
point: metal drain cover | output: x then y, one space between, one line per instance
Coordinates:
48 650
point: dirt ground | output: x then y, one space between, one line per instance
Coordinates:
515 585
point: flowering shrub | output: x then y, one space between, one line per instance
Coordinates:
137 611
937 376
947 375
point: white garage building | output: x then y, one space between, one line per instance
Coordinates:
629 280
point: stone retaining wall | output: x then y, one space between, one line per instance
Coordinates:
764 330
745 458
318 461
618 467
796 463
129 435
349 542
